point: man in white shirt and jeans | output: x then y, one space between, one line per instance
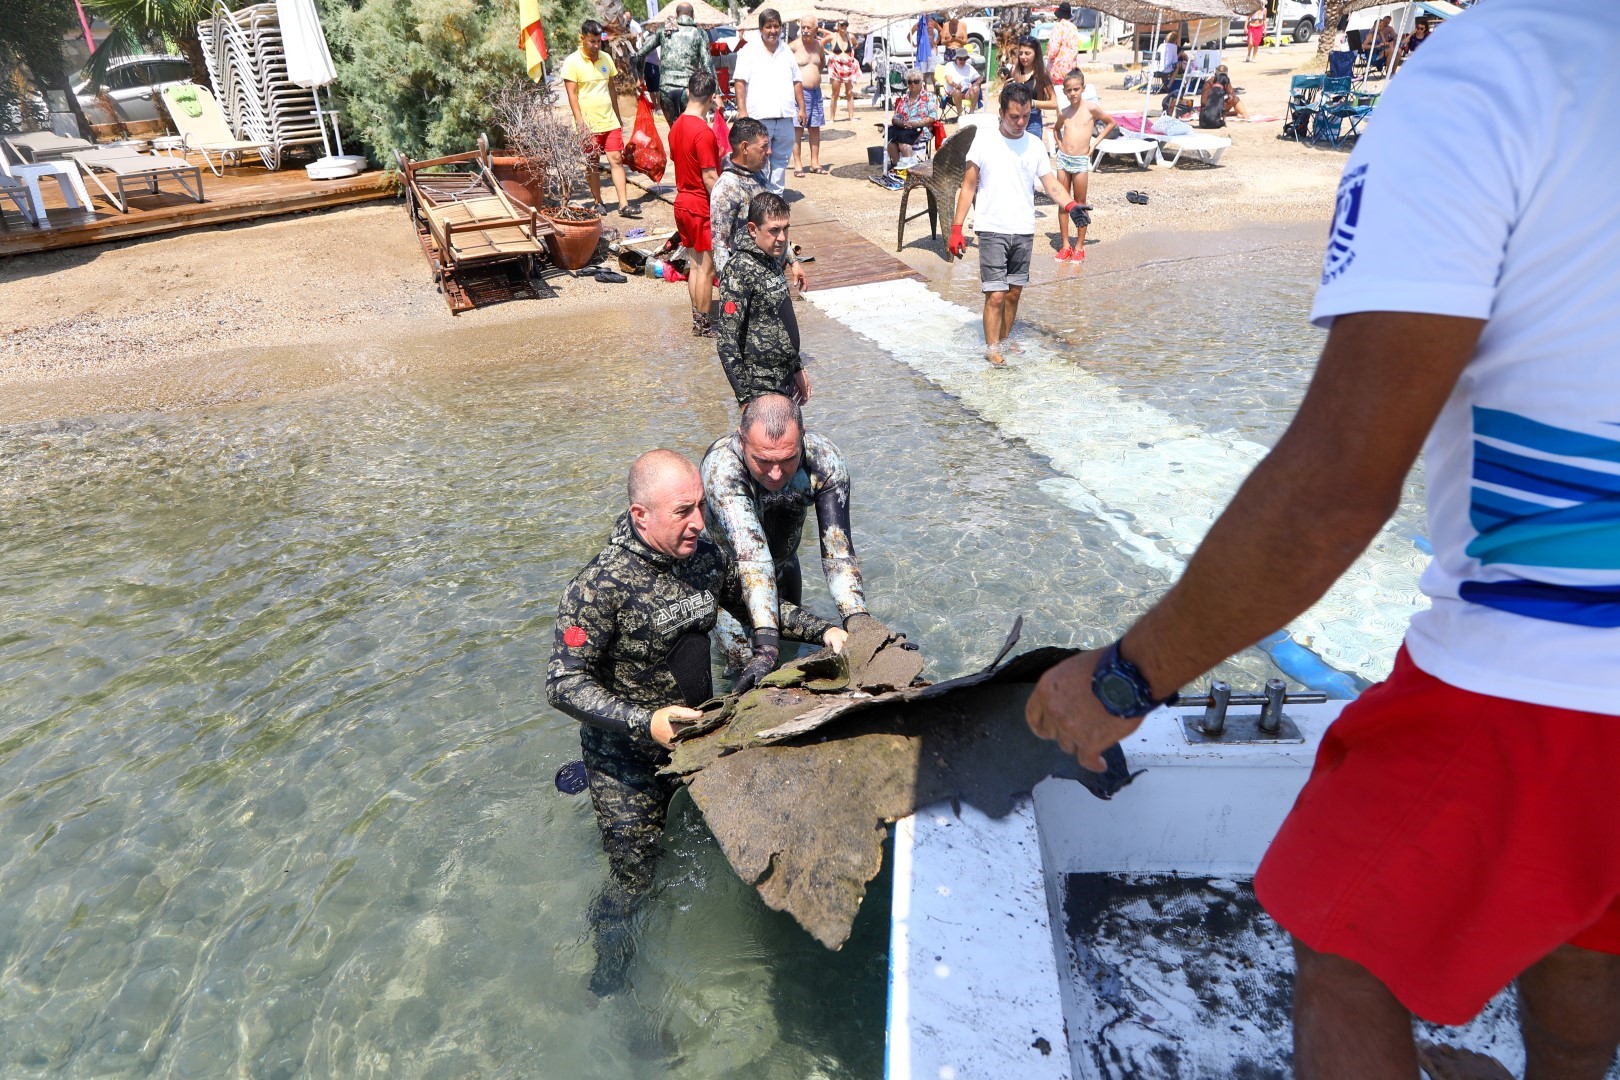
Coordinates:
769 90
1003 167
1460 830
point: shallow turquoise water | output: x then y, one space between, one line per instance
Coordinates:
277 759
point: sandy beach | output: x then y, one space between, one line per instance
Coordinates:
298 303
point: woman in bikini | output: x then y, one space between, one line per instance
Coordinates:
842 67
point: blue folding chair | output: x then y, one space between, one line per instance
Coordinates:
1333 109
1302 94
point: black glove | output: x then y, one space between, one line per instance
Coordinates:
767 647
1081 216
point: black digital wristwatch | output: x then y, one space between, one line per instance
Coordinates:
1122 689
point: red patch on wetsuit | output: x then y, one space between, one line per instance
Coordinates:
574 637
731 307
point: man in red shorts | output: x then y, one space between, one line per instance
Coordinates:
696 153
1460 829
587 76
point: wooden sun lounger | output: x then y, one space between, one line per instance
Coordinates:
126 166
466 223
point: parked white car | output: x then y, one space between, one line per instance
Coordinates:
132 85
980 34
1298 22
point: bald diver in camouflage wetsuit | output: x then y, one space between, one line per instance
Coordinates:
760 482
631 655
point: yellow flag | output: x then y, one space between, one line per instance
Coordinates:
532 36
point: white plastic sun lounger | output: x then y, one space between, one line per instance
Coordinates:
18 193
42 146
1203 148
126 166
28 177
1145 151
207 133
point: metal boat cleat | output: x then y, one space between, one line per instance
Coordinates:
1270 725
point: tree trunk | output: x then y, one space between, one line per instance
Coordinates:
65 85
1331 14
191 48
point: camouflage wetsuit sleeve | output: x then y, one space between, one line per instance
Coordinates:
838 560
583 640
725 490
798 623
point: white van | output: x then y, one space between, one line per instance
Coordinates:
1299 22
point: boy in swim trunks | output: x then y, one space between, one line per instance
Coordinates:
1074 144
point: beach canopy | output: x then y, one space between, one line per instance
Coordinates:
1151 11
880 11
704 14
1146 11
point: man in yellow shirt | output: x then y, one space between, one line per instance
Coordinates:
587 76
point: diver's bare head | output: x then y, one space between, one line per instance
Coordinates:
772 434
666 502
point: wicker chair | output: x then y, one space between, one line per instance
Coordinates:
940 180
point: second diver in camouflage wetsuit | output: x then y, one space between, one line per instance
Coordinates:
759 483
756 333
683 50
631 655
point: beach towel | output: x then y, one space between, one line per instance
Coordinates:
925 44
184 98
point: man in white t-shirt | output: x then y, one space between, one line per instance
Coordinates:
1003 167
1460 829
769 89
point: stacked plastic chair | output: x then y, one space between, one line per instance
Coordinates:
248 68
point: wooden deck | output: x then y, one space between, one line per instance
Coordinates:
843 256
241 194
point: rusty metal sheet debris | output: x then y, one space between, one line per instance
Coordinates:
799 787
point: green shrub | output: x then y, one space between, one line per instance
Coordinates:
422 76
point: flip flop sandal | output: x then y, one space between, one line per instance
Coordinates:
799 173
611 277
1136 197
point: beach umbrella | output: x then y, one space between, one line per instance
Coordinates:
309 64
707 15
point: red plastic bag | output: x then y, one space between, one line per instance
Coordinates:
722 132
646 153
939 134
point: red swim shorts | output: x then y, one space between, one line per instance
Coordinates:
1447 840
611 140
693 227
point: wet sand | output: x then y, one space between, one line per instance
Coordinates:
344 296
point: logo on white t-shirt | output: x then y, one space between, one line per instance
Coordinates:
1346 216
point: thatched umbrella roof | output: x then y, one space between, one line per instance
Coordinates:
704 14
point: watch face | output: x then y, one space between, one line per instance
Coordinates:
1117 693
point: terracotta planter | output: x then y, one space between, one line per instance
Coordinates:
514 177
573 243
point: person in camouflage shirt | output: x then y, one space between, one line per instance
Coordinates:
630 657
759 483
739 182
684 51
756 333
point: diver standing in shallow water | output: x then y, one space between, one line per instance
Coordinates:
759 483
630 656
